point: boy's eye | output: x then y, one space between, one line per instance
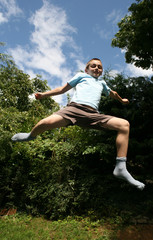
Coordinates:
94 65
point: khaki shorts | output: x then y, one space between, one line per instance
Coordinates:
83 116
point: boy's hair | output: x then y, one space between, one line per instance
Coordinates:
88 63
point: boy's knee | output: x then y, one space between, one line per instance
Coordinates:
126 125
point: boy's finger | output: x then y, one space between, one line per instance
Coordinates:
37 96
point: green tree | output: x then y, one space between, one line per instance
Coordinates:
16 88
69 170
17 113
139 113
4 58
135 34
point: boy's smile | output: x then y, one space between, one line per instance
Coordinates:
95 68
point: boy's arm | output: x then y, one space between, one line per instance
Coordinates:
56 91
115 95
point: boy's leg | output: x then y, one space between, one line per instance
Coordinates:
122 127
53 121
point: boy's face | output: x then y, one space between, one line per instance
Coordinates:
95 68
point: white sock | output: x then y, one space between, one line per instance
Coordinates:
121 172
22 137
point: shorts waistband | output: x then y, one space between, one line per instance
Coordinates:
84 105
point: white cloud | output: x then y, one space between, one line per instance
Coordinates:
113 73
115 16
51 32
130 70
133 71
123 50
2 18
111 20
81 65
46 51
59 99
8 9
103 33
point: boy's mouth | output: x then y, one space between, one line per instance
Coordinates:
96 72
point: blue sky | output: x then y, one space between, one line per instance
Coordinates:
55 38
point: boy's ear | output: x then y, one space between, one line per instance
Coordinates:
86 70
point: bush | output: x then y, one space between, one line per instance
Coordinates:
69 170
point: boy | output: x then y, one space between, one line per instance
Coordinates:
82 111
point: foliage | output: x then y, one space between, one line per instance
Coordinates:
139 113
4 58
68 171
16 87
135 34
17 113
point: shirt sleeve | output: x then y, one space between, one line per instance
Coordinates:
75 80
106 89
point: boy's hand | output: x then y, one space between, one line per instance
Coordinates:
38 95
125 101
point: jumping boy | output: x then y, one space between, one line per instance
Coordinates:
83 111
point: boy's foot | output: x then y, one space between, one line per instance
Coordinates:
121 172
22 137
125 175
